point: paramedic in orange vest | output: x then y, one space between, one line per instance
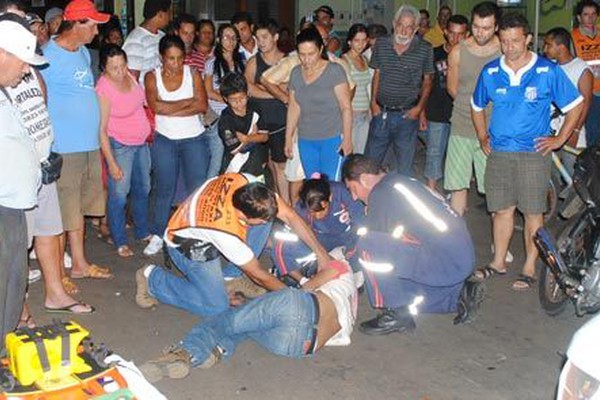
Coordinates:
231 216
587 47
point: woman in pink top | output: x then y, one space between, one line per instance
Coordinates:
124 128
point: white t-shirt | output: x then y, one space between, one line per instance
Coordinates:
141 47
342 292
573 69
29 99
19 164
247 54
209 70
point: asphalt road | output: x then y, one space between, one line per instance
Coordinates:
512 352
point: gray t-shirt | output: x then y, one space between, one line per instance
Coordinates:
320 115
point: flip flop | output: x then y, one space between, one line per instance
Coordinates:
95 272
523 283
483 273
69 309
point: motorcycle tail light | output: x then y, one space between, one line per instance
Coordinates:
575 384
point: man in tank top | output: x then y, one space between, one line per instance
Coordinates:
272 110
557 46
464 65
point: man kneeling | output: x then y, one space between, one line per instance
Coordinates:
231 215
290 322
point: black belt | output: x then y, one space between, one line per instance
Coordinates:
315 331
211 124
385 108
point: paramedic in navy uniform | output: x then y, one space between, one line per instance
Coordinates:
415 251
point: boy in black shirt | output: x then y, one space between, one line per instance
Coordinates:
240 129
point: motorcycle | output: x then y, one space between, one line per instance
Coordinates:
573 261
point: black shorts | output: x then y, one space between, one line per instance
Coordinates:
276 147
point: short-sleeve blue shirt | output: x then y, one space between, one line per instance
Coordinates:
522 101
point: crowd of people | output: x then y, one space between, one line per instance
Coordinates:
201 137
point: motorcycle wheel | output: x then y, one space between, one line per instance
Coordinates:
552 297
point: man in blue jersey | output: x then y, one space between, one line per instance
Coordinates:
522 87
415 251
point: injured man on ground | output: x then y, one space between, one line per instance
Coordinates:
291 322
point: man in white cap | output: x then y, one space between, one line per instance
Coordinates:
19 169
75 115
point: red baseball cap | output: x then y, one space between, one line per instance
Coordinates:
84 9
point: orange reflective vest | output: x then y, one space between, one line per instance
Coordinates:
588 49
211 207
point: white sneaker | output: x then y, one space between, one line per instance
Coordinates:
68 261
34 275
32 255
154 246
509 256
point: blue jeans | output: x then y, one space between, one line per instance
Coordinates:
216 149
282 322
321 155
167 157
201 290
592 124
437 141
134 161
396 130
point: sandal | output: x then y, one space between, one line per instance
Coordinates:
124 251
483 273
523 283
69 286
94 272
27 323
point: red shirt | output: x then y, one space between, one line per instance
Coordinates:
196 60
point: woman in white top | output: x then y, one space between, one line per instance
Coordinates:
361 75
226 59
176 95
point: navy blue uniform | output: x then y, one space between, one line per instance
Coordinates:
337 229
415 245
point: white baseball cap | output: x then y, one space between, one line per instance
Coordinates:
19 41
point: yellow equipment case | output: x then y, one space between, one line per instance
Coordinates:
58 361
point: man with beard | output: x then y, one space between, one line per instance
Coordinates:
403 65
465 62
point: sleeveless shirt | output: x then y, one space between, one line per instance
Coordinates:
173 127
272 111
468 73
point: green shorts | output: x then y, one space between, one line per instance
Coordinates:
463 155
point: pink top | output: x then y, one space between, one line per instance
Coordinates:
127 121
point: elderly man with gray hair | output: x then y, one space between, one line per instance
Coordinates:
403 65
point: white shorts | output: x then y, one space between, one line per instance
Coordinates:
293 168
45 218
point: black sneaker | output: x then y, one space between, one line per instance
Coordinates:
398 320
471 296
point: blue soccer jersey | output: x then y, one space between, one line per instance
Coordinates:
521 101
